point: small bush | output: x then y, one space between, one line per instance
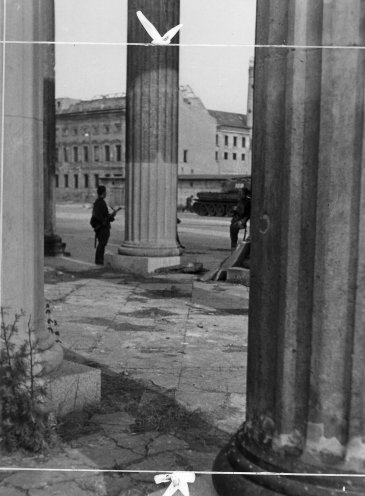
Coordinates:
24 424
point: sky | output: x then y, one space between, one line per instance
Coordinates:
218 75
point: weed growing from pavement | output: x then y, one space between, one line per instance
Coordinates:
25 425
151 409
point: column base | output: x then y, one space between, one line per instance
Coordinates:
139 265
130 248
234 459
53 245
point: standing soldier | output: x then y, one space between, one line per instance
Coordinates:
100 221
240 217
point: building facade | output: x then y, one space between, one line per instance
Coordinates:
90 145
232 143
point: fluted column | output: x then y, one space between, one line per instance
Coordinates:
305 377
52 242
152 134
21 179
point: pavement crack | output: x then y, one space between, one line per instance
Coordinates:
64 297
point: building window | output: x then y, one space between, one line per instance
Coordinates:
86 180
86 153
191 171
225 156
234 156
107 153
96 153
185 156
56 180
76 153
74 131
96 179
243 157
234 140
117 126
216 156
226 140
65 154
95 130
76 181
65 131
217 139
118 150
66 180
57 151
106 129
243 142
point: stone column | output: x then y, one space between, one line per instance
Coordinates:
21 178
151 138
52 242
305 377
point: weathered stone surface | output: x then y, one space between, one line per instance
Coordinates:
6 490
151 170
148 467
166 443
69 488
38 479
138 443
121 420
305 372
73 386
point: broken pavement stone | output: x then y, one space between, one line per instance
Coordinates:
120 420
165 443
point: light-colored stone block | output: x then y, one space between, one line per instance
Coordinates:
139 265
73 386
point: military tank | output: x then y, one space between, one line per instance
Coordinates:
221 203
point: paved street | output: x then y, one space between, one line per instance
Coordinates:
206 237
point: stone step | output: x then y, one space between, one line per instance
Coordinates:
73 386
238 275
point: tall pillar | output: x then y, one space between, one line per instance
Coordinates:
249 113
52 242
152 136
21 177
305 375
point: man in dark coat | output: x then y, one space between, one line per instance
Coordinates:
240 217
101 220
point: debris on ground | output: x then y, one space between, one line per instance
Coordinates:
238 259
190 268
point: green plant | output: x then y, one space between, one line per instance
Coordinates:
24 424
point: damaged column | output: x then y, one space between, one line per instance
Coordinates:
306 347
21 179
151 142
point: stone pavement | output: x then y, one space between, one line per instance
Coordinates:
172 351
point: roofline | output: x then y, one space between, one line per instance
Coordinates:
93 111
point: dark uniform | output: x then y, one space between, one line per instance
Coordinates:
240 218
102 228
